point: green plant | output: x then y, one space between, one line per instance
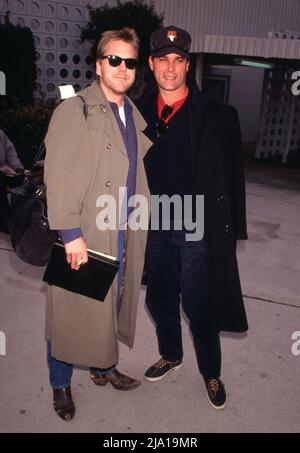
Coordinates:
134 14
25 125
18 60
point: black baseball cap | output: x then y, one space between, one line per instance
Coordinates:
170 39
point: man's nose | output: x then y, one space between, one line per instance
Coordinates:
123 66
171 66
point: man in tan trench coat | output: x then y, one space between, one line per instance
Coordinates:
95 145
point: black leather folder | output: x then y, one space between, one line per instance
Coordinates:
93 279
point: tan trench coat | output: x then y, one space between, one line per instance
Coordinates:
82 157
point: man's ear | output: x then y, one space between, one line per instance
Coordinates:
151 63
98 68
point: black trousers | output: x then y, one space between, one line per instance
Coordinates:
174 266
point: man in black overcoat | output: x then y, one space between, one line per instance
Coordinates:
196 151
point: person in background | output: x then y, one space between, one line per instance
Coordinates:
11 168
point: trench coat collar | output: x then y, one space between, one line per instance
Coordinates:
95 96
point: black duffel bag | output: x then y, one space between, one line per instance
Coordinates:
31 237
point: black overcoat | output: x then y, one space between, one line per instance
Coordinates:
218 174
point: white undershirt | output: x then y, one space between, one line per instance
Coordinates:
122 114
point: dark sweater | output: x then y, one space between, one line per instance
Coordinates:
168 162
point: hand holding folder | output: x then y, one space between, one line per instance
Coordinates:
93 279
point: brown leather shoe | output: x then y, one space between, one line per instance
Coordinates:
118 380
63 403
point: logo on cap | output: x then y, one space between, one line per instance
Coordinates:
172 35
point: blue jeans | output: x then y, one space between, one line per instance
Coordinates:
174 266
60 373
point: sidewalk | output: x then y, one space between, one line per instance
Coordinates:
260 372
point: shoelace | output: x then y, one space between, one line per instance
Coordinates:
161 363
214 385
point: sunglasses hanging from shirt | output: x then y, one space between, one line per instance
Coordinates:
162 125
115 61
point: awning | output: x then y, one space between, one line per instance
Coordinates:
248 46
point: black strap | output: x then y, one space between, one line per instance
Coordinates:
85 106
42 148
38 155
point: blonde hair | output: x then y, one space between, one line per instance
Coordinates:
125 34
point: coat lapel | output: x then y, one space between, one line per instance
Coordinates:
198 122
140 125
98 104
115 133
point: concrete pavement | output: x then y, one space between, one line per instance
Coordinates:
260 372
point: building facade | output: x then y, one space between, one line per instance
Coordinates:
222 31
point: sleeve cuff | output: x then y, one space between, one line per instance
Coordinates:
70 235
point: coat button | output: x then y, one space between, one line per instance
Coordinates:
108 184
108 146
106 219
221 198
104 109
227 228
